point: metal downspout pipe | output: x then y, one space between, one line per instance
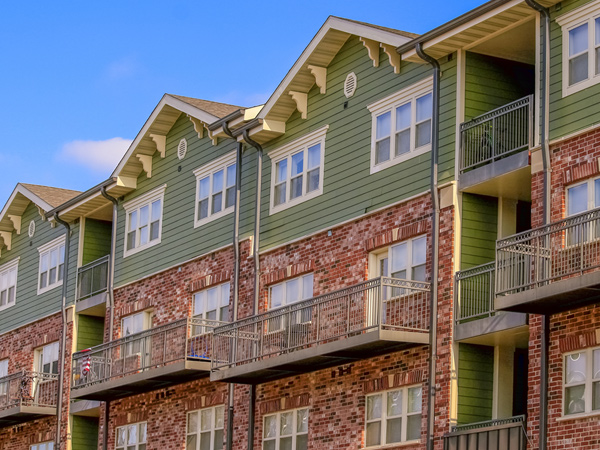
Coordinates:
547 203
61 356
111 298
434 242
236 272
259 162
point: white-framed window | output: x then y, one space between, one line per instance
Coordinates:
291 291
42 446
132 437
215 189
581 382
286 430
405 260
46 358
297 170
3 373
205 429
143 220
401 125
52 265
136 323
580 47
581 197
8 283
393 416
211 305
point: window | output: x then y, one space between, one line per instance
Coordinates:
286 430
144 221
132 437
215 189
582 382
52 265
297 170
3 386
292 291
43 446
583 197
393 416
8 284
135 323
47 358
401 127
210 305
406 260
205 429
581 47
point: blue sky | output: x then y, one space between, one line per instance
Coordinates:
80 78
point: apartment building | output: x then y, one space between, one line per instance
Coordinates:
398 250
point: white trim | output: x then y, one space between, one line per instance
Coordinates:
202 172
53 243
588 383
281 153
6 267
294 428
137 202
212 429
45 248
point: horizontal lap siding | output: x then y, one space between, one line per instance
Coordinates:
96 241
30 306
90 331
475 383
479 230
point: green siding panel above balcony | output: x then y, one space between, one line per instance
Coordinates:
90 331
96 240
479 230
475 383
85 432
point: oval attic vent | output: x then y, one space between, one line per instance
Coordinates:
350 85
182 149
31 230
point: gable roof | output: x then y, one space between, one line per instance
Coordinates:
217 109
51 195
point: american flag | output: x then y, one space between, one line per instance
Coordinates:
85 366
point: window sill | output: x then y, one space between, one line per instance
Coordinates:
133 251
49 288
8 305
294 202
587 415
199 223
400 159
396 445
577 87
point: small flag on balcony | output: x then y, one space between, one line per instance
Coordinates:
87 361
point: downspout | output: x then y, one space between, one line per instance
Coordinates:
544 125
111 298
61 356
236 272
259 162
434 242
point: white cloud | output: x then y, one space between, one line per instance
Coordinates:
123 68
96 155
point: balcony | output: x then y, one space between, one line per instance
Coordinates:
152 359
476 317
552 268
92 282
502 434
494 157
27 396
374 317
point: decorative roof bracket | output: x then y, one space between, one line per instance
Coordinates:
301 100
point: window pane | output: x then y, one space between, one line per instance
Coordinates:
219 414
419 251
225 290
574 399
297 163
133 221
596 396
423 134
292 291
596 371
394 403
577 199
206 419
597 193
575 368
393 430
132 436
54 258
296 187
192 422
312 180
403 142
144 235
156 210
424 107
302 421
270 430
154 228
413 427
286 421
203 209
277 296
61 254
415 400
578 39
403 117
218 440
231 175
205 441
285 444
302 442
204 188
217 202
144 214
307 286
280 194
382 151
130 240
121 436
213 297
314 156
191 442
143 429
230 197
399 257
578 69
373 434
373 407
269 445
281 168
217 181
383 268
384 123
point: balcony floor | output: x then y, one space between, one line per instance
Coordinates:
555 297
321 356
477 330
22 414
144 381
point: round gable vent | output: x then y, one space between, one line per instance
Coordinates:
350 85
182 149
31 230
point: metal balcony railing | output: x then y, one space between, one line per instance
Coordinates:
92 278
474 293
184 339
500 434
380 303
549 253
499 133
28 389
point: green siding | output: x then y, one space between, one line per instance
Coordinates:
576 111
492 82
30 306
475 383
90 331
479 230
96 240
85 433
349 190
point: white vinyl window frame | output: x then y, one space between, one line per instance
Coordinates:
286 429
211 305
3 373
215 189
131 437
576 20
579 198
8 283
581 382
410 95
283 176
143 214
282 294
51 265
381 414
46 358
49 445
406 260
206 423
133 324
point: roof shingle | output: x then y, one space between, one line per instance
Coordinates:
216 109
51 195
